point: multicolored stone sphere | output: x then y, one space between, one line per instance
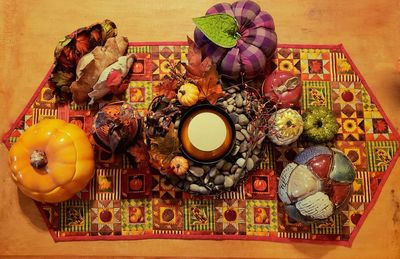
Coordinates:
317 185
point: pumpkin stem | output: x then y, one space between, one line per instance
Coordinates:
182 92
38 159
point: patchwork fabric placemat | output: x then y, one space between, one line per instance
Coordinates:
123 203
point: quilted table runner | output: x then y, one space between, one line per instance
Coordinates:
122 202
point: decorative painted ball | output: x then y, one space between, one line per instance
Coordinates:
317 185
286 125
283 88
253 39
116 126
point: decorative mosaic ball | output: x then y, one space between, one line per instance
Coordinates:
317 185
116 126
286 126
283 88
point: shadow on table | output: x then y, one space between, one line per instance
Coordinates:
30 211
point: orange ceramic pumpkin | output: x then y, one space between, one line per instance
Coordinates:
52 161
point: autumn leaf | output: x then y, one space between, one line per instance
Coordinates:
209 87
95 34
82 43
197 66
204 74
163 149
62 78
139 152
167 87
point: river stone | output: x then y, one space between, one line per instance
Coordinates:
227 166
239 136
197 171
233 169
239 110
220 164
239 100
230 108
239 170
245 134
256 151
243 147
206 168
234 117
243 120
240 162
213 172
219 179
225 173
194 187
238 127
250 164
235 150
203 190
237 175
228 182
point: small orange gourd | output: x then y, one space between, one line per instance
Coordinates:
188 94
52 160
179 165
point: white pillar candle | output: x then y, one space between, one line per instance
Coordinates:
207 131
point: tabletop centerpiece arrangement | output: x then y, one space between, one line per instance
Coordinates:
207 127
213 117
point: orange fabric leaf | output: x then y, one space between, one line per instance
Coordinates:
82 43
139 152
167 87
204 74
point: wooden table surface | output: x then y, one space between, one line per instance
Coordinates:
29 31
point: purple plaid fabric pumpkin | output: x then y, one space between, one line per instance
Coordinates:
255 46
